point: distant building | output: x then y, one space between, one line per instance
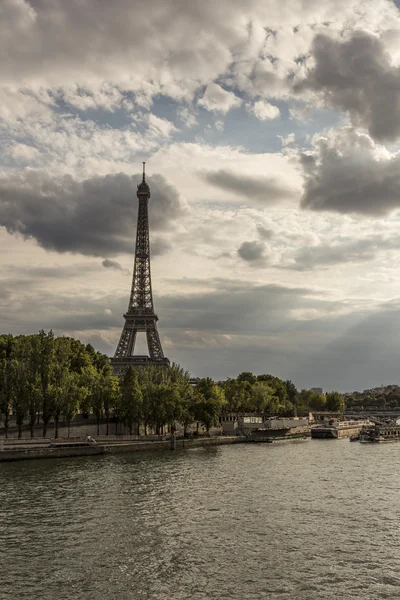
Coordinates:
317 390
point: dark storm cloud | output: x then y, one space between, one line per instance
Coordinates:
93 217
241 326
261 190
264 233
236 307
226 306
112 264
252 251
344 251
362 355
345 176
159 247
336 346
42 307
356 75
234 327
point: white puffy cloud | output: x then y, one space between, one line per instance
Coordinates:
187 116
24 153
263 110
217 99
174 48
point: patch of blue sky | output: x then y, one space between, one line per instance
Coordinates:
242 128
118 118
237 128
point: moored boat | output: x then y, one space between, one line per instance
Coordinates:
380 434
337 429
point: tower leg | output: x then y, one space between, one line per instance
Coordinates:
132 342
154 344
126 342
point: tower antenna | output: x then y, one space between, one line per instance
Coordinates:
144 172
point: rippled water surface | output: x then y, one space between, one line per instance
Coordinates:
301 520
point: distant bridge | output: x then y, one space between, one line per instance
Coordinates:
380 413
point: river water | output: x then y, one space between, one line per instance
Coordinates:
299 520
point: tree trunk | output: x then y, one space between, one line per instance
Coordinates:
69 427
116 428
45 424
19 429
32 430
56 427
6 423
98 424
107 421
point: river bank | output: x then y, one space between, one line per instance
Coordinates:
14 450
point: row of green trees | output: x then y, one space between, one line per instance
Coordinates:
385 397
272 396
157 397
54 378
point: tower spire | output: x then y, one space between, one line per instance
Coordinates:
140 316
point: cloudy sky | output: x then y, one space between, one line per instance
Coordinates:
272 141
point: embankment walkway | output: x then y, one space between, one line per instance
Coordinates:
39 448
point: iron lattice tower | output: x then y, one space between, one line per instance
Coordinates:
140 315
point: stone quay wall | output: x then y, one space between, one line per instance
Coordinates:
34 450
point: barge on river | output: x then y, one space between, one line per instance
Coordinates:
338 429
273 429
380 434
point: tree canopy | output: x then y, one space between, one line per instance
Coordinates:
53 378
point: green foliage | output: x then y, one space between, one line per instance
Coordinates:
237 395
311 401
74 395
335 402
131 399
209 401
19 392
263 394
292 392
56 377
44 375
247 377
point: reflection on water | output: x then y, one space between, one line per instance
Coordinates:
316 519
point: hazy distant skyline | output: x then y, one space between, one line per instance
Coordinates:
271 135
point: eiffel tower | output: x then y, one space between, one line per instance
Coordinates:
140 315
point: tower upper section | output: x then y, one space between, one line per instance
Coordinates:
143 189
